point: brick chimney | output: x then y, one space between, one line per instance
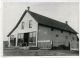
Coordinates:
28 8
66 22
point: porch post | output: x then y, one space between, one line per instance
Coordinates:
36 38
9 41
16 40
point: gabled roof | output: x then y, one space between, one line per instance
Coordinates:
43 20
18 23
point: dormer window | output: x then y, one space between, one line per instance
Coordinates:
22 27
30 23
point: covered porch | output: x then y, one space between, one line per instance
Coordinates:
23 40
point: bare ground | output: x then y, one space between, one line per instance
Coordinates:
26 52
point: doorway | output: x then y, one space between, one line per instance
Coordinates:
26 38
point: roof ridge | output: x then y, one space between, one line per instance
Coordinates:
50 21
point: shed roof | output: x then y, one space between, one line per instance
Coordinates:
46 21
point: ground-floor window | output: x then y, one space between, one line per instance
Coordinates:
12 40
27 39
20 39
32 38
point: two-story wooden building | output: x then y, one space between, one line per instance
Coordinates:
35 30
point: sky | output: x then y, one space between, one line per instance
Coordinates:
61 11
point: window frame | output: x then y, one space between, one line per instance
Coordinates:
66 37
20 36
22 25
30 23
57 35
62 31
52 29
73 38
32 37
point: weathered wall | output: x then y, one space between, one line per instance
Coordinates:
45 33
26 19
26 29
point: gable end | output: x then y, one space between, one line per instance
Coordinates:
18 23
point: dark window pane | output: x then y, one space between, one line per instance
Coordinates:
22 25
20 42
66 37
57 35
69 33
30 23
20 39
61 31
32 37
73 38
52 29
77 39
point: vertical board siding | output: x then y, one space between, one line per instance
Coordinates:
26 19
45 33
26 29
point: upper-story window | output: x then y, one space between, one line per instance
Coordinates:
52 29
57 35
30 23
61 31
66 37
73 38
22 26
77 38
69 33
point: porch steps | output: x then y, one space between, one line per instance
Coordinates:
23 48
29 48
33 48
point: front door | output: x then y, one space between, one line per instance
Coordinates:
26 38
